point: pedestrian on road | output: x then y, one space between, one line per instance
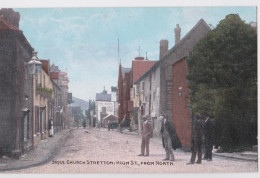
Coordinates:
169 138
108 125
208 138
146 135
84 123
50 127
197 133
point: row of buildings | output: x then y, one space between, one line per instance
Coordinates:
30 95
153 88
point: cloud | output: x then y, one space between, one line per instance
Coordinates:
84 40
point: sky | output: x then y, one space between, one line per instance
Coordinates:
84 41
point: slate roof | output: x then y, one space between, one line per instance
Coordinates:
103 97
125 70
173 49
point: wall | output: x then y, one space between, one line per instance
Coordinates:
152 99
7 91
109 105
42 100
15 52
181 116
178 52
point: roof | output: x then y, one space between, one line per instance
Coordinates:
110 117
103 97
54 75
153 68
125 70
54 68
114 89
55 85
139 67
5 25
45 65
173 49
187 36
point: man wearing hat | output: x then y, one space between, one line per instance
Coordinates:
169 138
208 138
146 135
196 142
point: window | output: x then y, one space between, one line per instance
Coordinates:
137 90
142 86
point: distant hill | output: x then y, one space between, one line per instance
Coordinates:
84 105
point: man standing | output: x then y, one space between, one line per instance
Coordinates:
50 125
169 138
84 123
197 133
208 138
146 135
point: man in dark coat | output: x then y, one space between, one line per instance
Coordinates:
208 138
169 138
50 127
84 123
196 142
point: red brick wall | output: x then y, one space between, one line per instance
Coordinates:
126 95
123 95
140 67
120 94
181 116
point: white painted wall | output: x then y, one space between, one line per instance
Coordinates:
110 107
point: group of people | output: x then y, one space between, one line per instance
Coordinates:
202 126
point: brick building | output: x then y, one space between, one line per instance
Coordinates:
163 89
146 97
174 88
139 99
43 103
61 79
124 83
16 133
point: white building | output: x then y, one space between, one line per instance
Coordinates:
106 104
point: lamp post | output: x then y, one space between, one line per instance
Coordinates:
34 67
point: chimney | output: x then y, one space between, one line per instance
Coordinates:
163 48
139 58
177 31
11 16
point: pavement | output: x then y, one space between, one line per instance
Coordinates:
41 154
48 148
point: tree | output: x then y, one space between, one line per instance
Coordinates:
223 82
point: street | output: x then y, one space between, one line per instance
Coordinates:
103 151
